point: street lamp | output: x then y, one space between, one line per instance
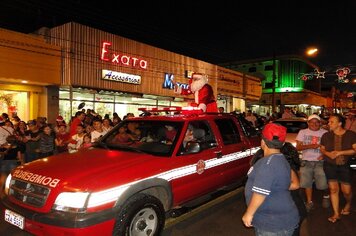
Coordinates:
311 52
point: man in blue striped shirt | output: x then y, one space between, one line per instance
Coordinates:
270 207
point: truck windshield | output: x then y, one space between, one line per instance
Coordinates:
148 136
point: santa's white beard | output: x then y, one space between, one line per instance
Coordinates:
196 85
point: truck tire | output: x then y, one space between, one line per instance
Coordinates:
140 215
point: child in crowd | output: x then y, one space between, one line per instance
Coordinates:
86 142
122 136
98 130
77 139
62 139
107 125
116 120
89 129
59 121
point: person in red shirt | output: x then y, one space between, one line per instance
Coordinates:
79 117
62 139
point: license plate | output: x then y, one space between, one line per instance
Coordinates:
14 219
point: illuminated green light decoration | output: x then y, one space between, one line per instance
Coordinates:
289 89
284 90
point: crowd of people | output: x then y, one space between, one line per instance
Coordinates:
275 205
258 121
271 207
22 142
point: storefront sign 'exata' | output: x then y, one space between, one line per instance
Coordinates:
121 59
120 77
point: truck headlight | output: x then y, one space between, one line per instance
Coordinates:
71 201
7 184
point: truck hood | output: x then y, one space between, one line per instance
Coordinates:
89 168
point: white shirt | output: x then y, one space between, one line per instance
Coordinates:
95 135
78 144
307 136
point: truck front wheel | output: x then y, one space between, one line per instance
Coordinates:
142 215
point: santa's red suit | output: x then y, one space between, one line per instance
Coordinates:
203 93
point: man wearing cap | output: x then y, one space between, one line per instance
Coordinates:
308 142
270 207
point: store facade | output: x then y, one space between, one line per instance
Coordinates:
29 68
109 73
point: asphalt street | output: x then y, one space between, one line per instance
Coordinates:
222 217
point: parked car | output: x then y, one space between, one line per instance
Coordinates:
126 186
293 126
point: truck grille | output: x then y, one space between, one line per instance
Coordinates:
29 193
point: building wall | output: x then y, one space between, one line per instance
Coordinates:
28 57
28 64
83 48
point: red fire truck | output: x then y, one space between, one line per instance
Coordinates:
135 174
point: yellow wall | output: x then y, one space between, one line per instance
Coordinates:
28 57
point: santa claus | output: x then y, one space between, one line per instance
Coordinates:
203 93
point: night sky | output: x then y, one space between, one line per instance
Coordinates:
214 32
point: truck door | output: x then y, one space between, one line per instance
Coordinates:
236 149
204 176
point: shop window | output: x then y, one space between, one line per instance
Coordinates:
179 104
164 103
83 96
75 104
104 108
121 109
64 94
104 98
64 111
146 101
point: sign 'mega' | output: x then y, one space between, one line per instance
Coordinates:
121 59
